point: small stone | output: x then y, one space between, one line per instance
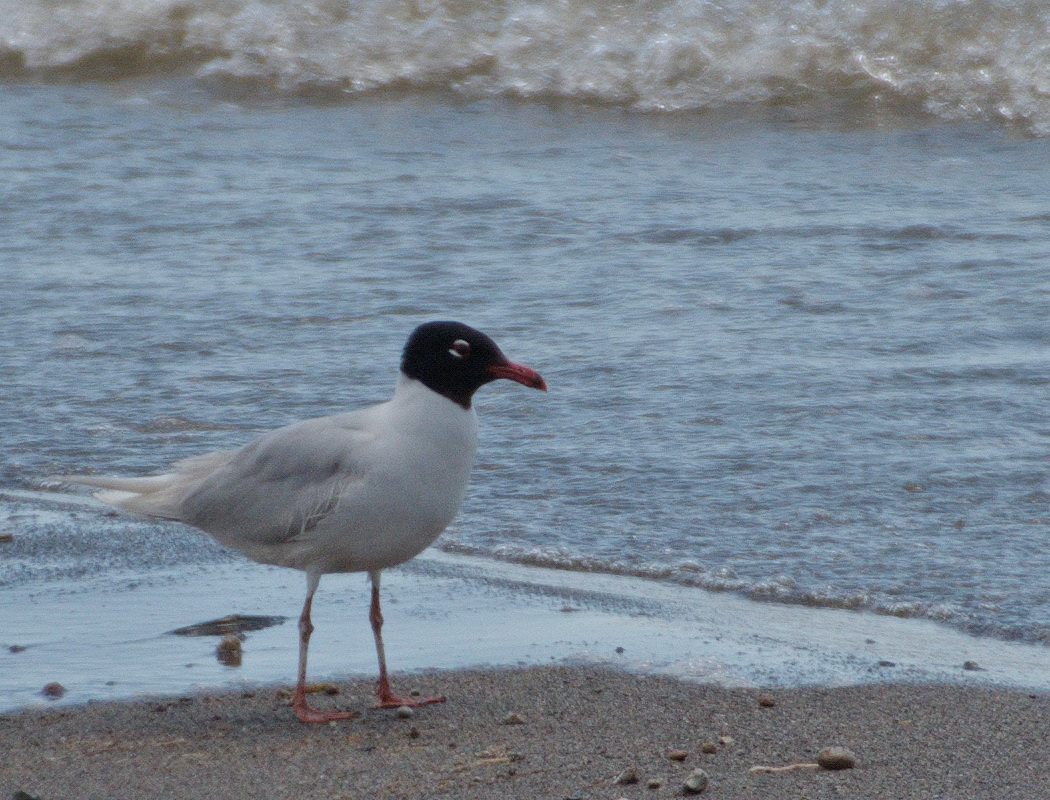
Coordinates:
653 783
405 712
413 732
17 648
725 741
53 690
415 692
695 782
621 650
5 538
767 700
20 795
232 623
678 755
513 719
836 758
628 776
709 747
972 666
887 663
229 651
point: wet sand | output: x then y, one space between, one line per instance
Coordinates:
540 732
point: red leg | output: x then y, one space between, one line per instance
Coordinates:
387 698
299 704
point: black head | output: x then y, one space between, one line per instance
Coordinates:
455 360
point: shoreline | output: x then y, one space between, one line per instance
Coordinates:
556 732
108 639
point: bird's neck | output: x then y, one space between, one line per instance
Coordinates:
413 393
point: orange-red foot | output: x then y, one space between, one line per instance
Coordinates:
307 714
391 700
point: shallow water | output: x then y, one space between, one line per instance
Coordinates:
796 346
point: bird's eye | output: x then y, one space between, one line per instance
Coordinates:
460 349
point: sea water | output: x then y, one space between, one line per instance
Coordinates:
784 266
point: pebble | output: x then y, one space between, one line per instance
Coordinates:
229 652
836 758
725 740
766 700
709 747
233 623
678 755
17 648
628 776
6 537
513 719
405 712
53 690
695 782
973 666
654 783
413 732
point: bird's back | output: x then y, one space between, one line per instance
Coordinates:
362 490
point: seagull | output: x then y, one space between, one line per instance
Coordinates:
359 491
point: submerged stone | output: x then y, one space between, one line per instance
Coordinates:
230 625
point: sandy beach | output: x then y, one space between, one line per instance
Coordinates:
540 732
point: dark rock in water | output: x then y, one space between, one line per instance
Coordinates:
233 624
973 666
229 652
53 691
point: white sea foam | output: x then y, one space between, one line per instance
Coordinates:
957 59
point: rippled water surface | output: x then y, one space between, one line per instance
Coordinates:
800 358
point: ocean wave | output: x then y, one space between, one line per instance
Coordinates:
955 59
777 588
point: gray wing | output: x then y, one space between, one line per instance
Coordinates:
283 484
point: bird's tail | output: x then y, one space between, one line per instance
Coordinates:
158 496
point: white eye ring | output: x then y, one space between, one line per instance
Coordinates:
460 349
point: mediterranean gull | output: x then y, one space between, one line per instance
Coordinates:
355 492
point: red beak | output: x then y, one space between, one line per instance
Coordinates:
520 374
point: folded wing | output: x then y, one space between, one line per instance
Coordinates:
268 492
